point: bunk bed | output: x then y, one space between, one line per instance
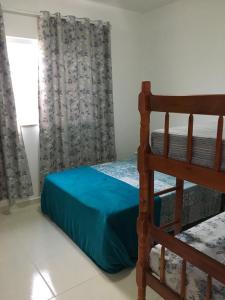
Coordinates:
189 264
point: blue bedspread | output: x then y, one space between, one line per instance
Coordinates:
98 212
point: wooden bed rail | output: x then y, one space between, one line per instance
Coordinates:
148 162
194 104
190 254
200 175
199 104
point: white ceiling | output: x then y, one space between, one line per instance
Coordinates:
135 5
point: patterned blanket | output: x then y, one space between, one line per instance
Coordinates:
199 202
209 238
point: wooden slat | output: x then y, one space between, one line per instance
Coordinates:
168 225
179 205
199 104
219 144
209 289
190 139
161 288
205 263
166 135
183 280
196 174
162 265
152 199
166 191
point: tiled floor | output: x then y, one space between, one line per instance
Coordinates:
39 262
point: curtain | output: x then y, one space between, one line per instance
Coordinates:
75 93
15 181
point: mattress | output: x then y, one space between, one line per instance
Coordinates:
209 238
98 207
204 144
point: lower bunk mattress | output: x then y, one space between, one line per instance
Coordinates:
207 237
98 207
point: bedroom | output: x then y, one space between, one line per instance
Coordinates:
179 46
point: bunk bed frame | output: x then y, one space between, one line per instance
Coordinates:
214 178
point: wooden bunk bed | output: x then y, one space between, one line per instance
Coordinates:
148 234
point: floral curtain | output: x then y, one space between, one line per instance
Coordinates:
75 93
15 181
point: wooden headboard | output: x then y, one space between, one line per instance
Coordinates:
212 178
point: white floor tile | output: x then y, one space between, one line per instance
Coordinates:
109 287
20 280
38 262
66 270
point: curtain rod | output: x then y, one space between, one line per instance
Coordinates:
31 14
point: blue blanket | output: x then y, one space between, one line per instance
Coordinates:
98 212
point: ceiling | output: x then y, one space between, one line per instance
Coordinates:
135 5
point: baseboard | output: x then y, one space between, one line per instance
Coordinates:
4 205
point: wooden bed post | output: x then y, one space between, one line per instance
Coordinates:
146 191
149 162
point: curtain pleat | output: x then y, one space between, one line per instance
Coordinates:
15 180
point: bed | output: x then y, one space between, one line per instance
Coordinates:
207 237
100 203
178 265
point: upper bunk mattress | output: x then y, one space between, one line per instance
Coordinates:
204 144
207 237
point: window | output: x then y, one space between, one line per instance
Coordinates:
23 60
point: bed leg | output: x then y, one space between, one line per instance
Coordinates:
142 257
141 293
144 245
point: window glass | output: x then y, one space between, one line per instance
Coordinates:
23 60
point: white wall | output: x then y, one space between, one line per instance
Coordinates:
179 47
125 58
184 48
